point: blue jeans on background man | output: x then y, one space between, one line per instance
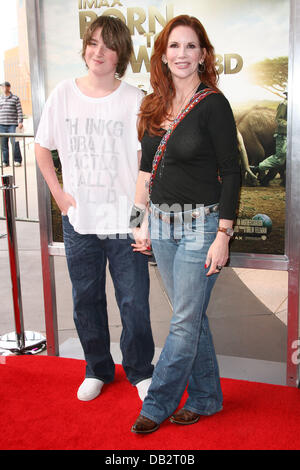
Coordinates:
188 356
10 129
87 256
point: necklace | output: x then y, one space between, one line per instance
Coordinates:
181 105
158 161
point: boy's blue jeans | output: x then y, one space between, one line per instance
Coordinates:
87 257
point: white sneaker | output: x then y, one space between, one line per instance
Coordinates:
143 387
89 389
17 164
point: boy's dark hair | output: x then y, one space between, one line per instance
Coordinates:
116 36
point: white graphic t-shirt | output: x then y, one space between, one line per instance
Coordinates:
97 143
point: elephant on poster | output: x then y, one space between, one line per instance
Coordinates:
256 128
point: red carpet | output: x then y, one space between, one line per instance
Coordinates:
39 410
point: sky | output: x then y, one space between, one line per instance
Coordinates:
8 30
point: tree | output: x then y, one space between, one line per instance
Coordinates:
271 74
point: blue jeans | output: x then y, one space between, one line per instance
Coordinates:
87 257
188 356
10 129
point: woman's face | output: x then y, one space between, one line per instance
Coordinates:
99 59
183 52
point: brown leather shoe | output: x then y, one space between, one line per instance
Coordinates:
184 417
144 425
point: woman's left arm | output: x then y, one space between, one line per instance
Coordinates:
218 252
222 129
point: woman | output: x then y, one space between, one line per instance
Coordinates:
91 121
194 185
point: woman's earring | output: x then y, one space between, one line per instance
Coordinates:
201 67
164 59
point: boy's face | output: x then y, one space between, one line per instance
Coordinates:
99 59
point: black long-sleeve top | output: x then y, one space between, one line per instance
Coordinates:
202 147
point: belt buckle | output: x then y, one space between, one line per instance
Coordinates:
196 213
209 210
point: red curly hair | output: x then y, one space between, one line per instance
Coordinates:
154 108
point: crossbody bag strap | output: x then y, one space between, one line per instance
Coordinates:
163 143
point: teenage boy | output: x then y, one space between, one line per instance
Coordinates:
91 122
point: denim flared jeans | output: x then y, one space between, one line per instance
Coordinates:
188 356
87 258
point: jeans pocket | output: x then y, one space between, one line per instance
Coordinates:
201 232
71 238
211 222
197 225
202 225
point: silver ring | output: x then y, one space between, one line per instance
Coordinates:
219 267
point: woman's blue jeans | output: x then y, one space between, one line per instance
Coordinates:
188 356
87 257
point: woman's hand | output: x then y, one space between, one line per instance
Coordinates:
142 237
218 253
142 242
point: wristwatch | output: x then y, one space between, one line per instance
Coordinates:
229 231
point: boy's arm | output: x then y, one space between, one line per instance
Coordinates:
45 163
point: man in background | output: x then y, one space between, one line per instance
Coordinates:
276 163
11 116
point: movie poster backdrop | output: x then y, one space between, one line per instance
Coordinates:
251 44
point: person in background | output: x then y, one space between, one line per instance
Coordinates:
11 117
190 168
276 163
91 122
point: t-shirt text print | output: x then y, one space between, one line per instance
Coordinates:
94 167
96 139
